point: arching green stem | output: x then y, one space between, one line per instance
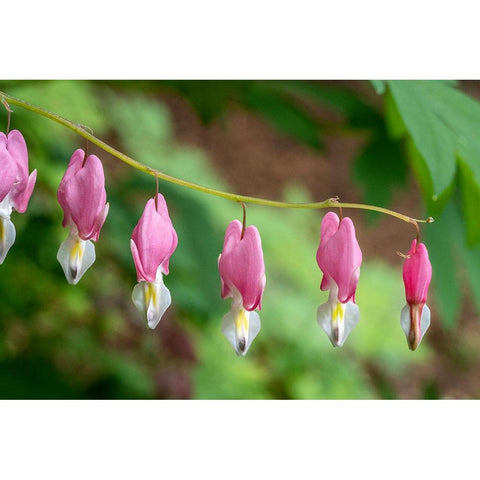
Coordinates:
83 131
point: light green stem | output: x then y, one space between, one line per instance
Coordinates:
82 131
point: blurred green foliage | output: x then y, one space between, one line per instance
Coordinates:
88 341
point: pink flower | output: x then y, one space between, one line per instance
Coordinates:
153 242
82 196
16 185
417 274
339 257
242 273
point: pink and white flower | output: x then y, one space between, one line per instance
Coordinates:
82 196
242 273
417 274
16 185
153 242
339 258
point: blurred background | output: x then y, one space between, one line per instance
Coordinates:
410 146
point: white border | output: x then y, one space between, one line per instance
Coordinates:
237 439
252 39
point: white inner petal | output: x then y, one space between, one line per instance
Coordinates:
7 237
240 327
405 321
152 299
337 319
6 207
425 320
75 256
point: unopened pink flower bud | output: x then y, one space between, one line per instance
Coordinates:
417 274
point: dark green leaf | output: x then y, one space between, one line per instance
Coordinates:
472 267
445 245
435 205
470 192
462 115
435 141
443 124
453 263
395 124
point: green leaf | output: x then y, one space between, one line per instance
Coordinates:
453 263
379 86
435 205
435 141
420 170
394 122
472 267
470 192
443 124
445 245
462 114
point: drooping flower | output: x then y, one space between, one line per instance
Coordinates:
339 258
417 274
16 185
153 242
82 196
242 273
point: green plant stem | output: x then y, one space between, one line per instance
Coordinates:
83 131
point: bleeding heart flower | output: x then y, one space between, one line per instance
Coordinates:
153 242
417 274
82 196
16 185
339 257
242 273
